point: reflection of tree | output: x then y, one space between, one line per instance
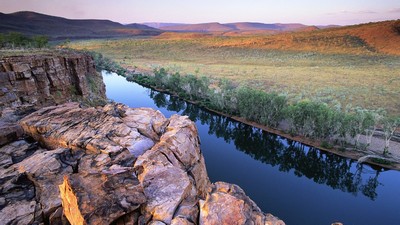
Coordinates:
160 99
323 168
176 104
369 188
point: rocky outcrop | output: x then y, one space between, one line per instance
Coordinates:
29 82
114 165
241 209
48 79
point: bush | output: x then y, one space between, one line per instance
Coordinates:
259 106
104 63
15 40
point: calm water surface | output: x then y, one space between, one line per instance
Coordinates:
297 183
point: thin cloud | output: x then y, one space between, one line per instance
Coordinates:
352 12
396 10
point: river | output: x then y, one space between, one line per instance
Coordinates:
297 183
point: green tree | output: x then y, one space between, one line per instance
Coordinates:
40 41
390 124
16 39
374 119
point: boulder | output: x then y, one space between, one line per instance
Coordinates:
100 198
228 204
173 173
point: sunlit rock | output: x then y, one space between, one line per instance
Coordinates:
228 204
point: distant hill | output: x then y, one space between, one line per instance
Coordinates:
235 27
377 37
160 25
32 23
202 27
327 26
245 26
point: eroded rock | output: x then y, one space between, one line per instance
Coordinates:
173 173
115 165
100 198
228 204
93 129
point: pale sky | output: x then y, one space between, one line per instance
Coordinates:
310 12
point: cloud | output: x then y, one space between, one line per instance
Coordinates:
346 12
395 10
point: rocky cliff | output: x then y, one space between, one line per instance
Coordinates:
48 79
29 82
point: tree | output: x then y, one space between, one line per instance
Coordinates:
40 41
374 118
390 124
16 39
160 76
358 124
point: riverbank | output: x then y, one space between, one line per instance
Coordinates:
370 156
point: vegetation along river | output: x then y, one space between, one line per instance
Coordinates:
297 183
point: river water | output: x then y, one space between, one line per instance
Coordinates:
297 183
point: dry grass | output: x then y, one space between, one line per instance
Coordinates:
351 70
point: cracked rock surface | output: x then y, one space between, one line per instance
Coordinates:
114 165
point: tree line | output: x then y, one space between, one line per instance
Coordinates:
18 40
311 119
323 168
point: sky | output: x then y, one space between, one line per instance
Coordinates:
310 12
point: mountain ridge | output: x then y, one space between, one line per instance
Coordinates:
230 27
33 23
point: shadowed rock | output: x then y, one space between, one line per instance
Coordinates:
100 198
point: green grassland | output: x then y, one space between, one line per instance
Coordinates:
359 77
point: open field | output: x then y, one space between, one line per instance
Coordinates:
349 71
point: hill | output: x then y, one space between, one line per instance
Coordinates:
234 27
32 23
160 25
246 26
379 37
202 27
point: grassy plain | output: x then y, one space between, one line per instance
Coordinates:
330 66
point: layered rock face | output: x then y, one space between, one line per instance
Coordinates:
29 82
43 80
114 165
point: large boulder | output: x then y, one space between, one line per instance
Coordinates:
228 204
173 173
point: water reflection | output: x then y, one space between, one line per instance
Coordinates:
321 167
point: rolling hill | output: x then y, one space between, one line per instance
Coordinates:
235 27
378 37
160 25
32 23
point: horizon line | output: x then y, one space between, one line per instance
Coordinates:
196 23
